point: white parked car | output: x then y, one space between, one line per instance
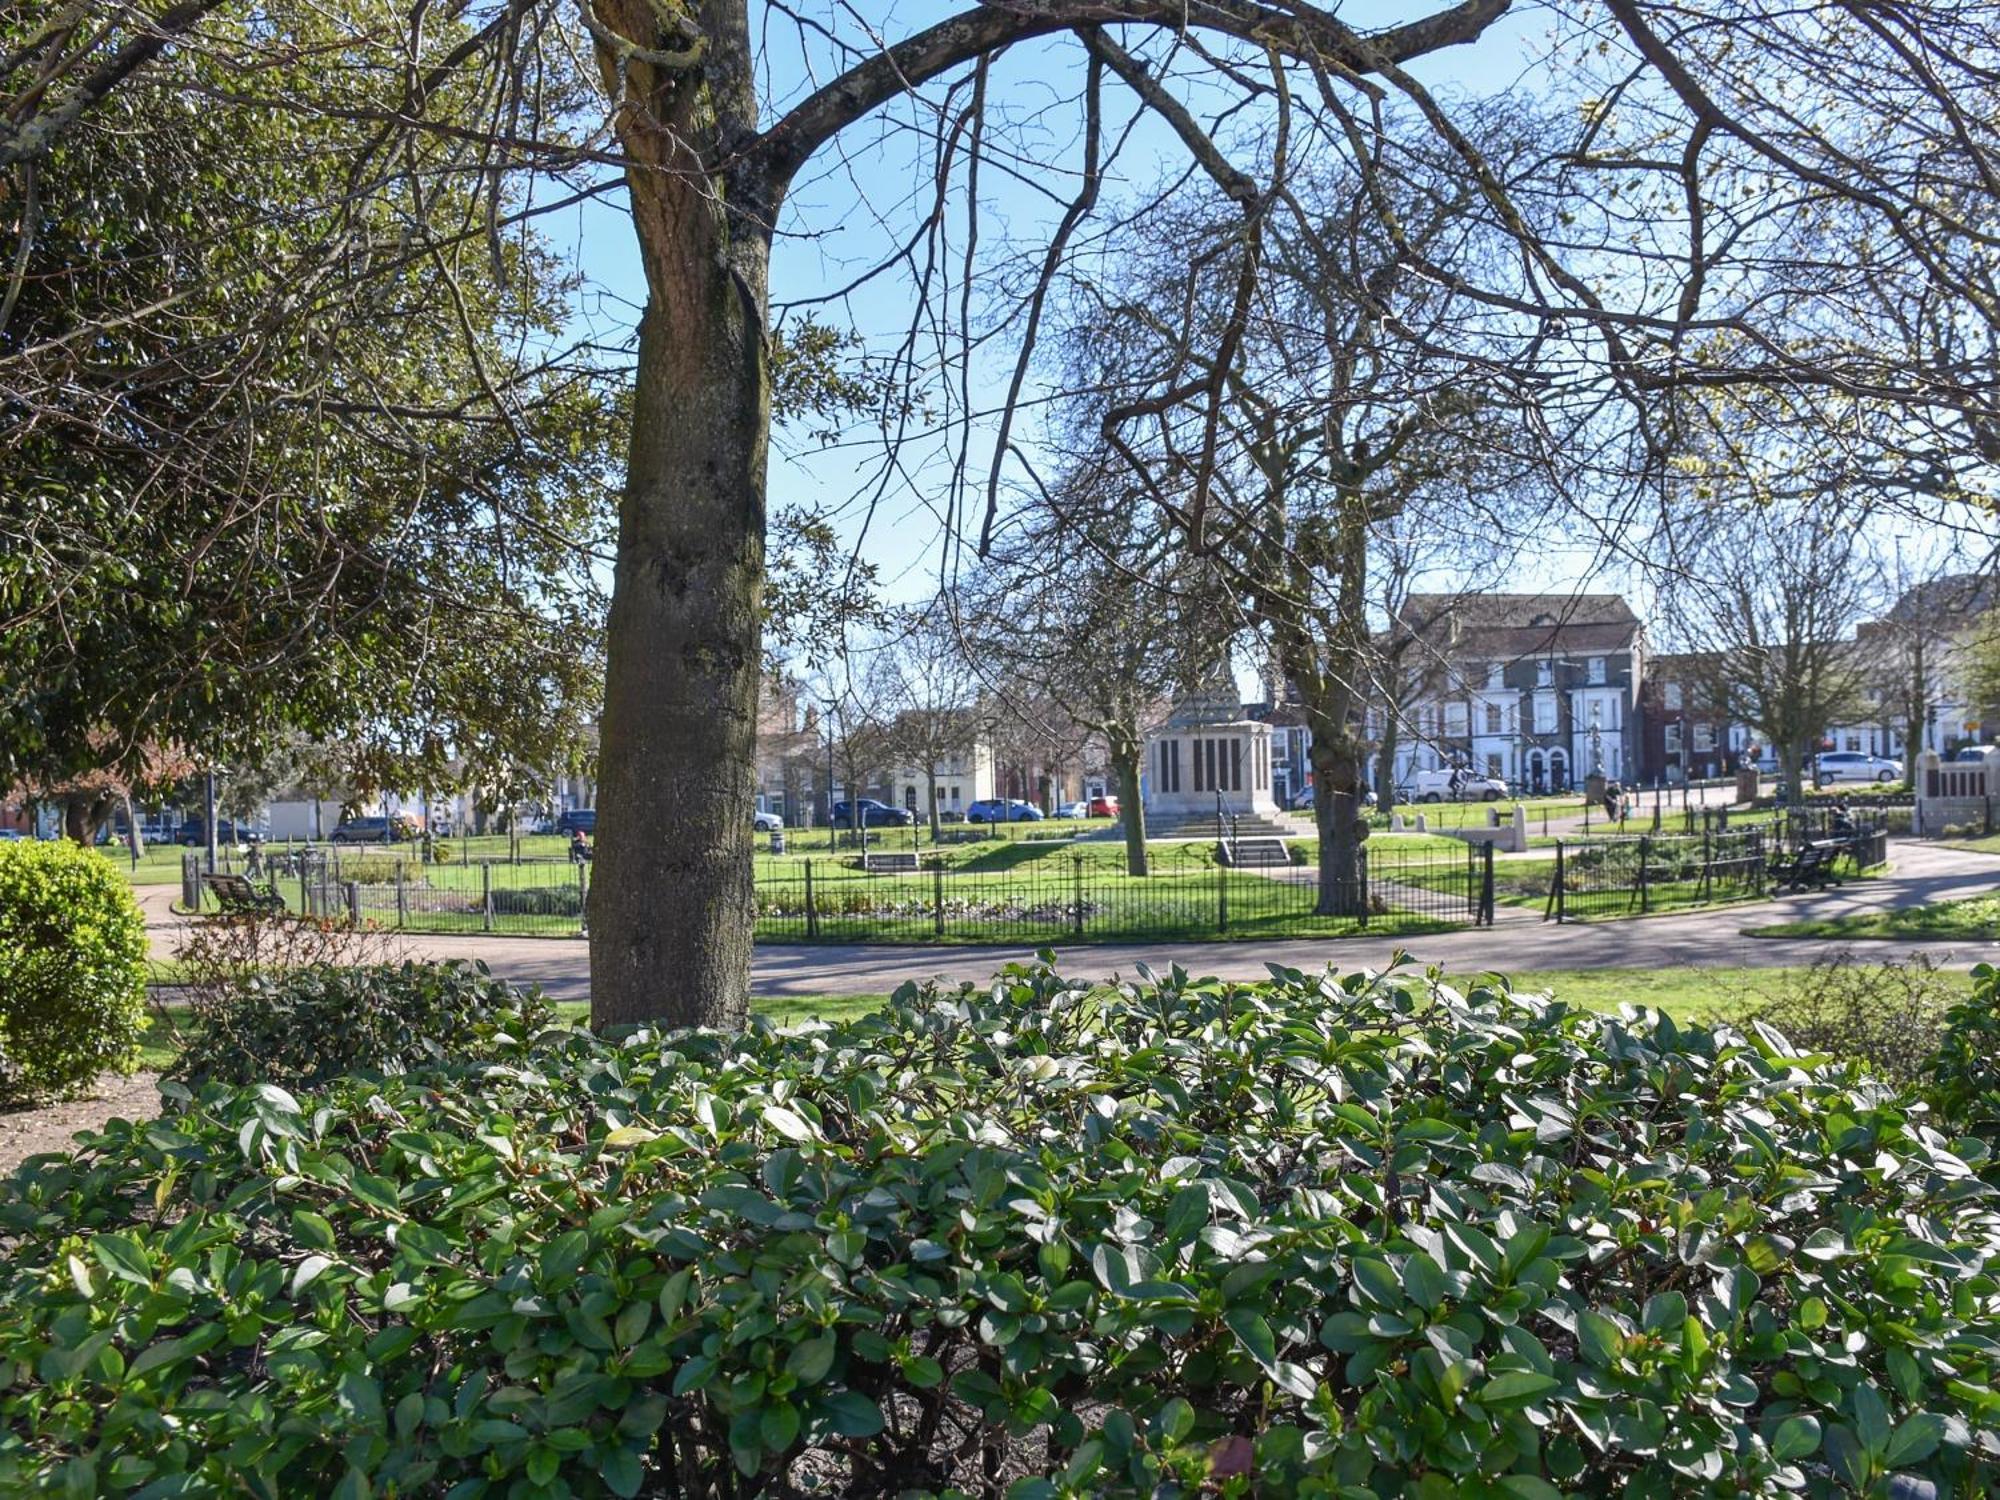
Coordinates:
1856 765
1435 786
766 822
1073 810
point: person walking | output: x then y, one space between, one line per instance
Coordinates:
579 847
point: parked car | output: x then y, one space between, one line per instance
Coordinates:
1072 809
578 819
871 814
1103 807
1436 786
10 835
194 833
766 822
1971 752
365 831
1003 810
1857 765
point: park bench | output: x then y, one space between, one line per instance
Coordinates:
238 896
895 861
1808 866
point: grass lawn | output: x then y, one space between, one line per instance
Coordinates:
1988 844
1973 919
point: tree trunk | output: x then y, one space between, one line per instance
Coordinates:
1125 752
1337 813
1385 766
672 900
934 810
1791 771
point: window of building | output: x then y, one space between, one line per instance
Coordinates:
1545 673
1673 739
1170 765
1493 766
1704 736
1673 696
1454 720
1597 669
1494 719
1496 675
1545 713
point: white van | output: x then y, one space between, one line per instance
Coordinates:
1435 786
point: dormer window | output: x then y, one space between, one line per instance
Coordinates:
1597 669
1545 673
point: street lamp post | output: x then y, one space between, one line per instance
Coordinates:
209 813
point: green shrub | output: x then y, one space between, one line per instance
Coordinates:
1310 1237
538 901
1890 1016
305 1026
72 971
1965 1072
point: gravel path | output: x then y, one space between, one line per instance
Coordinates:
24 1133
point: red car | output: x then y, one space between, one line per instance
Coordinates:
1103 807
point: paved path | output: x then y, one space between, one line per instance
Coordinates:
1920 873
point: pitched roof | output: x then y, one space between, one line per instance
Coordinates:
1953 594
1522 625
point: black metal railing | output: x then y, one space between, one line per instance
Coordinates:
1055 897
1636 874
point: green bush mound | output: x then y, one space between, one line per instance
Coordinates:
537 901
72 971
1358 1237
308 1026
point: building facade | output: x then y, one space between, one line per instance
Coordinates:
1538 690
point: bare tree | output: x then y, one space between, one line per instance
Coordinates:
1093 603
920 692
1358 400
1768 597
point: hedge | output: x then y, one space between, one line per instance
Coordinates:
72 970
1353 1237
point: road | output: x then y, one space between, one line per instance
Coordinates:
1920 872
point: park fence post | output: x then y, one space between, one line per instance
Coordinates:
1486 889
1645 850
402 898
1556 884
1221 897
486 893
1077 861
937 894
583 897
812 910
354 903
